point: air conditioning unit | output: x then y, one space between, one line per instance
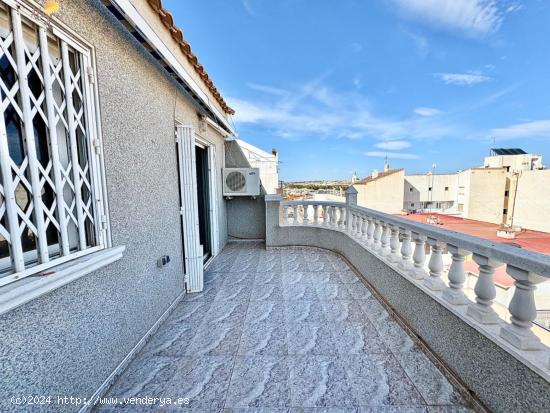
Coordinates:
241 182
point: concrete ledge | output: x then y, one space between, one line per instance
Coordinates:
492 374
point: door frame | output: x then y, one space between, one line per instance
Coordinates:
213 199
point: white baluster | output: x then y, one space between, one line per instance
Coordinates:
454 294
295 210
342 220
486 292
394 244
326 215
285 214
419 256
364 228
306 219
385 240
377 236
435 265
406 250
523 310
315 214
352 223
370 232
334 216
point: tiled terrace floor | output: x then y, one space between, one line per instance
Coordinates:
286 330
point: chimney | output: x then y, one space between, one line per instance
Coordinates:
374 173
274 152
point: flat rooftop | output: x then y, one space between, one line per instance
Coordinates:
530 240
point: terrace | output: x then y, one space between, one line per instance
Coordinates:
338 310
288 328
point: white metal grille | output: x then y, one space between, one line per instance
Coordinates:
51 202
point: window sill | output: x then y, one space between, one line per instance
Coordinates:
18 293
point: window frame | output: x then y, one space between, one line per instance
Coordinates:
92 141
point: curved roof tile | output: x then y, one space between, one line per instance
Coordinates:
177 35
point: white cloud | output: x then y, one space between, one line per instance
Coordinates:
267 89
248 7
534 129
463 79
393 145
422 111
317 110
391 155
474 18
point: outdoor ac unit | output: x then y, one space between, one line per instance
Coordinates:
241 182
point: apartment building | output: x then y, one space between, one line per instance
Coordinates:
378 191
430 191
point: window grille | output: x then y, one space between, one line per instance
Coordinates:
51 200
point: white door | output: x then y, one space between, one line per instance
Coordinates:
193 254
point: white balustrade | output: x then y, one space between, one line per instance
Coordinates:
315 214
435 265
385 240
406 249
370 232
378 236
381 234
482 310
394 256
341 218
455 293
364 228
523 310
419 256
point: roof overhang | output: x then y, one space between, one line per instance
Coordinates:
125 11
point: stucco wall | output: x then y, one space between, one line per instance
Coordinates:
384 194
69 341
245 216
486 195
420 185
497 378
532 201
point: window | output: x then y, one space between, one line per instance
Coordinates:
446 188
506 193
412 204
430 188
410 189
51 196
504 211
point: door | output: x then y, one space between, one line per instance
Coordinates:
189 211
203 200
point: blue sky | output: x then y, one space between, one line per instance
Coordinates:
337 85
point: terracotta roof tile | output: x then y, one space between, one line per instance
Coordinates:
380 175
177 35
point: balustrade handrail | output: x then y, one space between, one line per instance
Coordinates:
312 202
511 255
517 257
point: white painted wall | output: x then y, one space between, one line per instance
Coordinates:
268 164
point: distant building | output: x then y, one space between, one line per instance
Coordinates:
430 191
267 162
513 160
481 193
378 191
512 189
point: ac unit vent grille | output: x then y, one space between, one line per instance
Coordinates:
235 181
